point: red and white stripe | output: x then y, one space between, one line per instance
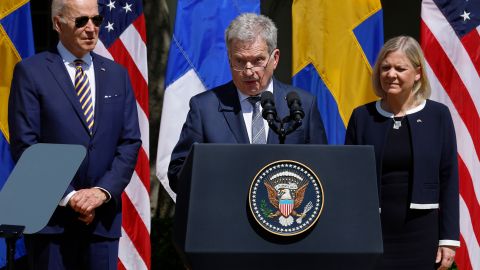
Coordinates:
286 208
453 67
130 51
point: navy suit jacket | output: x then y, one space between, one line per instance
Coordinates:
44 108
434 150
216 117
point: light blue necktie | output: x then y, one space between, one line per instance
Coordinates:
258 128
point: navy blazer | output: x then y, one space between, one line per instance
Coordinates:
216 116
44 108
434 150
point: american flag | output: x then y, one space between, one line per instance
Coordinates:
450 38
123 39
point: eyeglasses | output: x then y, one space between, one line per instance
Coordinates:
83 20
253 68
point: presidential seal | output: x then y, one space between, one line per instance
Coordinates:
286 198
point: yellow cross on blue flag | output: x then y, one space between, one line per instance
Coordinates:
335 44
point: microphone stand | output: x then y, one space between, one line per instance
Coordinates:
283 130
11 233
294 120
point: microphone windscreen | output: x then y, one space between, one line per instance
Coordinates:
292 97
267 97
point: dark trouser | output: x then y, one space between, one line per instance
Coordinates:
71 251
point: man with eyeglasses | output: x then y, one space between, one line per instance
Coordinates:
70 95
231 113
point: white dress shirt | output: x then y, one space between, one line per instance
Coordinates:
68 61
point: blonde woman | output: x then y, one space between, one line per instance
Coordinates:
416 154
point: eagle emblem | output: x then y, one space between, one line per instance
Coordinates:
286 198
286 191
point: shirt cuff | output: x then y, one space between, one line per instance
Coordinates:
63 202
452 243
109 196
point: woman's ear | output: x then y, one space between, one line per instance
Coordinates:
418 74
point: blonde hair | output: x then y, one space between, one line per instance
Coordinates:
410 47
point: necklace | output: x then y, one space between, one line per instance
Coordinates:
397 123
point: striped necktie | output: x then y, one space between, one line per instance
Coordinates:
82 87
258 128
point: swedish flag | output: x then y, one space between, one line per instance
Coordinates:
16 43
335 44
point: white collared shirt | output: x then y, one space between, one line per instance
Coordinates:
68 61
247 111
378 106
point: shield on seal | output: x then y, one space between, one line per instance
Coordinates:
286 207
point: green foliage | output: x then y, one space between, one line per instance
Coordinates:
266 211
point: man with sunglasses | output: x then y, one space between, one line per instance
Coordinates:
70 95
231 113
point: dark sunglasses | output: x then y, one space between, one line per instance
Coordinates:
83 20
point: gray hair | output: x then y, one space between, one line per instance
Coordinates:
248 26
57 7
410 47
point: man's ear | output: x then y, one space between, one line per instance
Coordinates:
57 23
276 57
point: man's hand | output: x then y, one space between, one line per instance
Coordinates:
445 256
85 201
87 219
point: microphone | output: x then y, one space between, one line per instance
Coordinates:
269 112
295 105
